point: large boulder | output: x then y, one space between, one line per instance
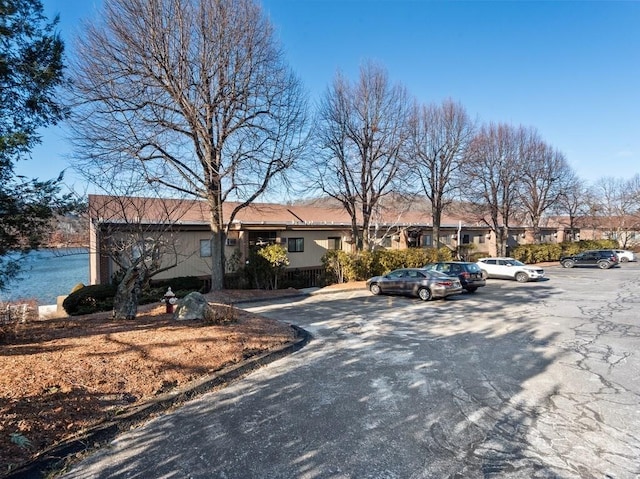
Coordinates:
193 306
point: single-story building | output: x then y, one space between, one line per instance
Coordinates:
306 232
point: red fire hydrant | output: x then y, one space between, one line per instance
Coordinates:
169 300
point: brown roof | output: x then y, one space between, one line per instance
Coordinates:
154 210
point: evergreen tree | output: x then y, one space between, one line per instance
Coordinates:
31 70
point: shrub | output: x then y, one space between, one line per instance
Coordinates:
336 264
180 286
183 283
90 299
15 314
277 258
538 253
256 272
343 267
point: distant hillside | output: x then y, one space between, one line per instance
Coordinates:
69 231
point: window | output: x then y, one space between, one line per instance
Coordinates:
413 238
415 274
480 239
295 245
385 241
258 239
205 248
334 243
426 240
397 274
465 239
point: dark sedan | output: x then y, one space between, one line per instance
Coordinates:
418 282
469 274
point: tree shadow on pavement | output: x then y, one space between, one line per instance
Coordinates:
383 391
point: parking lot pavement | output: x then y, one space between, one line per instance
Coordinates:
516 381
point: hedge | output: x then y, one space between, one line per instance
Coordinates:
343 267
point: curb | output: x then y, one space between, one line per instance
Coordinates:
57 457
302 293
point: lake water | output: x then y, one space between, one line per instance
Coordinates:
49 273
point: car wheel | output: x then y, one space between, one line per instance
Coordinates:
522 277
471 290
567 264
624 259
604 265
375 288
424 294
484 275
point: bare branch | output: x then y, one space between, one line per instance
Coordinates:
190 95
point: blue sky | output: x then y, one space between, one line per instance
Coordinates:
570 69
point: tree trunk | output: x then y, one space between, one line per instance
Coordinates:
355 233
501 240
125 303
435 231
217 235
537 236
217 265
366 241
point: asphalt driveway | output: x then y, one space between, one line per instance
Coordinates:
515 381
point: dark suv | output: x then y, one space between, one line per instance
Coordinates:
469 274
602 258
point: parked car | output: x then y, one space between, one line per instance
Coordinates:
469 274
602 258
625 255
509 268
418 282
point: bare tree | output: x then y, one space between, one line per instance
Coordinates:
617 207
362 128
140 249
573 201
197 94
440 135
493 170
136 233
545 175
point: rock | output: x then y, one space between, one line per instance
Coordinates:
193 306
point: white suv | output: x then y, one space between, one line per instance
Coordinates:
509 268
625 255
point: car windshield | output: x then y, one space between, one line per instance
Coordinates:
473 268
514 262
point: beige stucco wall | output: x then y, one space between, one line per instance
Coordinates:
94 269
316 244
190 263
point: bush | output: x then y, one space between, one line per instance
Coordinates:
99 297
360 266
257 272
13 315
337 264
90 299
180 286
186 283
